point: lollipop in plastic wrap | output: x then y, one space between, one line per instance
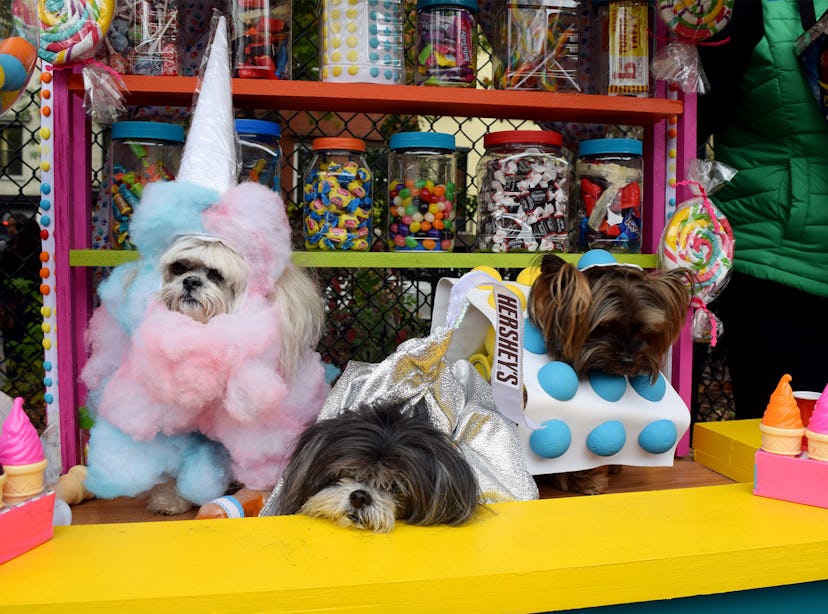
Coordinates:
689 23
699 237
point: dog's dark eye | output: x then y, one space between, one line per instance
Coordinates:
214 276
179 268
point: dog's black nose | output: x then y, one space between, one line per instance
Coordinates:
192 282
360 499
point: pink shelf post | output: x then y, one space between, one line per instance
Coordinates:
72 194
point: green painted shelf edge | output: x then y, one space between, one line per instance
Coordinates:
375 260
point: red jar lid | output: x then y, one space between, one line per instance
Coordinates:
338 142
538 137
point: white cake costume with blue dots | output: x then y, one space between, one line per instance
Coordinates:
568 424
362 41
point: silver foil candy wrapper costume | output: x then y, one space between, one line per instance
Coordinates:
459 402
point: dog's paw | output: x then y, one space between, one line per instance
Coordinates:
164 499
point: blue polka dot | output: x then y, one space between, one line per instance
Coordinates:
533 338
387 45
48 398
658 437
373 56
373 42
558 380
45 188
552 440
609 387
372 29
387 59
45 220
672 202
374 71
389 74
45 204
607 439
652 392
47 365
373 2
373 15
47 381
595 256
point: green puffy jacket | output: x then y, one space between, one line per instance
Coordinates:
778 141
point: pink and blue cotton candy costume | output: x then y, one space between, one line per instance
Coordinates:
173 398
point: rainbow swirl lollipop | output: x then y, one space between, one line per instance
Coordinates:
695 20
71 30
698 237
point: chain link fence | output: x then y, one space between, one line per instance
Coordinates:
370 311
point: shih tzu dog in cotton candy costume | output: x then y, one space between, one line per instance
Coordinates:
202 369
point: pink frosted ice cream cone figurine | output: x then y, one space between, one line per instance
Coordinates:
2 481
817 431
22 456
781 424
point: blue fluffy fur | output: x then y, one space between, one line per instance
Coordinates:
125 467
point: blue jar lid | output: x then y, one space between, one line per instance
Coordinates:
429 140
610 146
258 126
466 4
148 130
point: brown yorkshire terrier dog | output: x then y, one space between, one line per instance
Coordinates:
615 318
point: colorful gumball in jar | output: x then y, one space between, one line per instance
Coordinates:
422 170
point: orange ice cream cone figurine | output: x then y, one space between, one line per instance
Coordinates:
781 425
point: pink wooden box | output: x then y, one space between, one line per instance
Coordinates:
25 525
791 478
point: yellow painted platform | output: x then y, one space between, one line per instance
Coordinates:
522 557
728 447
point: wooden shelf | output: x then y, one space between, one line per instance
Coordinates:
405 100
374 260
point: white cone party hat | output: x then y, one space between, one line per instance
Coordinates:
209 157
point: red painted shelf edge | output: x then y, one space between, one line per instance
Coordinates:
407 99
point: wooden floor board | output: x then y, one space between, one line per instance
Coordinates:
683 474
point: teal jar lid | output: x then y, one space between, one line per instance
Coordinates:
424 140
148 130
597 147
258 126
471 5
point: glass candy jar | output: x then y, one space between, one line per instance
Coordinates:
140 153
446 43
422 171
338 196
523 203
610 176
